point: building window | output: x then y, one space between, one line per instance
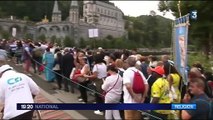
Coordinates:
108 12
101 10
85 19
116 14
85 6
105 12
98 9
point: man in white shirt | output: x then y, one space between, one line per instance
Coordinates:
129 95
16 88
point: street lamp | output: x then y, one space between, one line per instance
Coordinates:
179 8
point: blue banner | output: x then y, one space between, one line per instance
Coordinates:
181 43
62 106
75 106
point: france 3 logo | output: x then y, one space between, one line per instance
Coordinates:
193 15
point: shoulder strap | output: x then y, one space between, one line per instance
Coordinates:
113 85
134 71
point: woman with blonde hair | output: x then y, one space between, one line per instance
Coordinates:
119 65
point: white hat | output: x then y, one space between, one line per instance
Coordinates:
5 67
100 48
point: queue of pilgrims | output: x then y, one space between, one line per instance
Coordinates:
113 72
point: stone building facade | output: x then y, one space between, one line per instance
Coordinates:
104 16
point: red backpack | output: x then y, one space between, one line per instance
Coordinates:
138 83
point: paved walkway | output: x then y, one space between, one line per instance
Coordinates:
49 95
48 114
51 114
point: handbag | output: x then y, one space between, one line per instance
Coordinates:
73 73
41 68
105 92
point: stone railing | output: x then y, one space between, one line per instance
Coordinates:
14 20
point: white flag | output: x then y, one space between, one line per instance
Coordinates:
91 35
14 32
95 32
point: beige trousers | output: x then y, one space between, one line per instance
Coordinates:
132 115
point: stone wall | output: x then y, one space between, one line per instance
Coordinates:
58 29
7 25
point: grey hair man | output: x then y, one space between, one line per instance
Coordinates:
129 95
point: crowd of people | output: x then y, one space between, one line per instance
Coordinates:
110 75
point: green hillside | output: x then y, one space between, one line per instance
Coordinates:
143 31
150 31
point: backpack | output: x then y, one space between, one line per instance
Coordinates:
138 83
38 52
120 72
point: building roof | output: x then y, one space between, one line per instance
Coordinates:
55 8
110 3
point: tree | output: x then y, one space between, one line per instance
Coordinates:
42 38
68 42
105 43
20 9
149 31
58 42
53 39
109 37
5 35
82 43
201 30
28 36
26 18
126 26
119 43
